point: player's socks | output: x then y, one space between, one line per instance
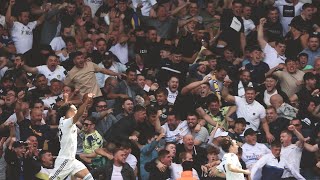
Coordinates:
88 177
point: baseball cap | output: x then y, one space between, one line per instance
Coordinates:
19 144
220 133
249 131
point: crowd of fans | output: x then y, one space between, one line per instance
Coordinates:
184 89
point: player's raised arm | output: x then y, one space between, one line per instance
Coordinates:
87 100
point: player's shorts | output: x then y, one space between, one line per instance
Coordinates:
65 167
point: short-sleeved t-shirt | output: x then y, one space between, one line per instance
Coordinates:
92 142
252 153
58 73
202 136
22 36
252 113
231 158
288 81
272 58
292 154
84 79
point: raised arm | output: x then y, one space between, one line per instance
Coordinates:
262 42
298 134
226 96
193 85
9 18
82 108
311 148
29 69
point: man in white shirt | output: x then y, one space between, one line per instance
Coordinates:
291 152
271 166
121 49
248 108
249 25
146 6
173 85
52 70
252 150
273 56
22 30
175 129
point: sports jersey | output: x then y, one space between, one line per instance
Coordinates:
67 138
252 153
22 36
58 73
92 142
231 158
181 130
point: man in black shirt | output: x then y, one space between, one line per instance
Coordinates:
232 28
238 129
257 67
273 26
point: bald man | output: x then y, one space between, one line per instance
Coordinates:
33 127
283 109
199 154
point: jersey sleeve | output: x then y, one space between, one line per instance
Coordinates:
32 24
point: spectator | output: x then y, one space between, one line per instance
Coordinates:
248 105
92 140
237 130
200 137
272 166
289 150
164 158
78 76
276 124
313 49
283 109
116 168
252 150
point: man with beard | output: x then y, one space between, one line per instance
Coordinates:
276 124
244 82
109 62
52 70
173 85
252 111
313 49
129 88
42 88
127 108
82 75
175 129
200 137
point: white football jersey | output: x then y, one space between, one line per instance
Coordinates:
68 138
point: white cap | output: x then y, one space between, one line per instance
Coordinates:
220 133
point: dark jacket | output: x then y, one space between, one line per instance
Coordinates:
105 173
16 167
155 173
199 156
